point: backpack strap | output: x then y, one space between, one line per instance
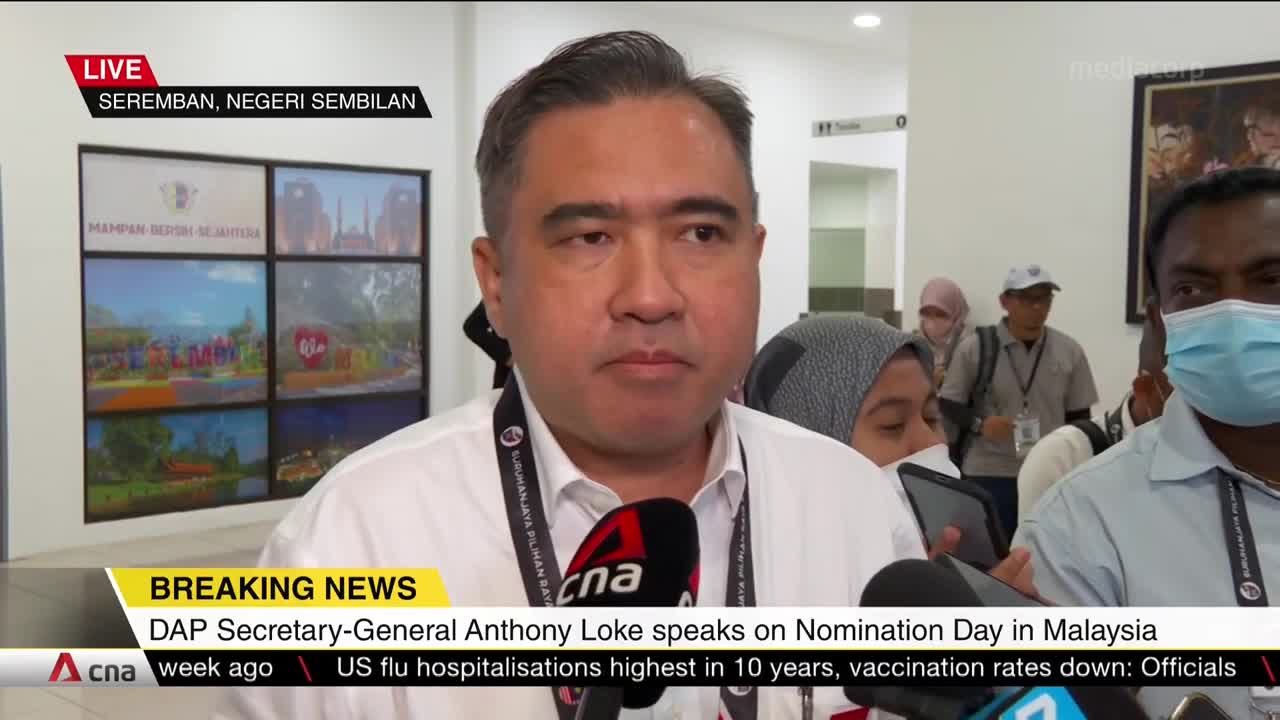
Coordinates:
1097 438
988 355
1114 422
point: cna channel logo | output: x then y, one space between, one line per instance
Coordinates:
66 671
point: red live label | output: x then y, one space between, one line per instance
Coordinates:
111 71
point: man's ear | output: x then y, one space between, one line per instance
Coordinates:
487 262
758 234
1004 301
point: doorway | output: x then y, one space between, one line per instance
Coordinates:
852 239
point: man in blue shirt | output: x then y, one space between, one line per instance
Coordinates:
1144 524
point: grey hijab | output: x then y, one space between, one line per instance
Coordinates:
816 372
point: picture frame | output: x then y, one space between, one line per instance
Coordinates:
1187 124
347 328
140 464
173 333
328 211
129 483
312 438
145 203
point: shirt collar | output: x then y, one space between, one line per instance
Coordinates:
1007 338
556 472
1183 451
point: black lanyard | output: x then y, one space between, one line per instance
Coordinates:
1013 365
1246 572
537 557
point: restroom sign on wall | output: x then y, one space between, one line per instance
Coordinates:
856 126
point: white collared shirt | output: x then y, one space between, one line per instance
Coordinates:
823 522
1141 527
1057 454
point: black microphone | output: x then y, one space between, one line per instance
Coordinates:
640 555
920 583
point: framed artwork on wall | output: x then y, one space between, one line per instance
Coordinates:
174 333
348 328
219 371
144 464
140 203
311 438
1186 125
326 211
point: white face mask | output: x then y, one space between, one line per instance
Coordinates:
937 458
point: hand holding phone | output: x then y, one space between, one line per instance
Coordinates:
992 591
940 502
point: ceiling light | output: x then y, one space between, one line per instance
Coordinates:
866 21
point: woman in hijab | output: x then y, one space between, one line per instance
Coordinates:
866 384
944 316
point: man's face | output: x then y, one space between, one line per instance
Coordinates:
1028 309
1221 252
628 283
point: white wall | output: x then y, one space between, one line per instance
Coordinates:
853 87
882 230
1014 158
190 44
837 203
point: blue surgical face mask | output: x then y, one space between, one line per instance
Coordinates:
1224 358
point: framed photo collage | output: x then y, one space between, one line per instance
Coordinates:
247 324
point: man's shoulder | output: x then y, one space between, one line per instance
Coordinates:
1106 480
1070 435
790 442
431 455
805 464
970 342
1064 341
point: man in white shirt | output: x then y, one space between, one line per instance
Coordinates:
621 263
1076 443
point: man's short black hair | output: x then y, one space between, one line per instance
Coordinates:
595 71
1212 189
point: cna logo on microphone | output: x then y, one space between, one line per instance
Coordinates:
607 562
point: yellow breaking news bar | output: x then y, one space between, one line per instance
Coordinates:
238 587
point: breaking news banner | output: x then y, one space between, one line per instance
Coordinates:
124 86
226 627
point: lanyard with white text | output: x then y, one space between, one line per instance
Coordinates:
1246 573
537 557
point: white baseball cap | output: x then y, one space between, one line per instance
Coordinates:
1025 276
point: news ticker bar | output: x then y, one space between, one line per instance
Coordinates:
991 668
256 101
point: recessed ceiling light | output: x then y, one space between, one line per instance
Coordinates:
866 21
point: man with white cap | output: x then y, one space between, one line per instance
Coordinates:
1011 384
